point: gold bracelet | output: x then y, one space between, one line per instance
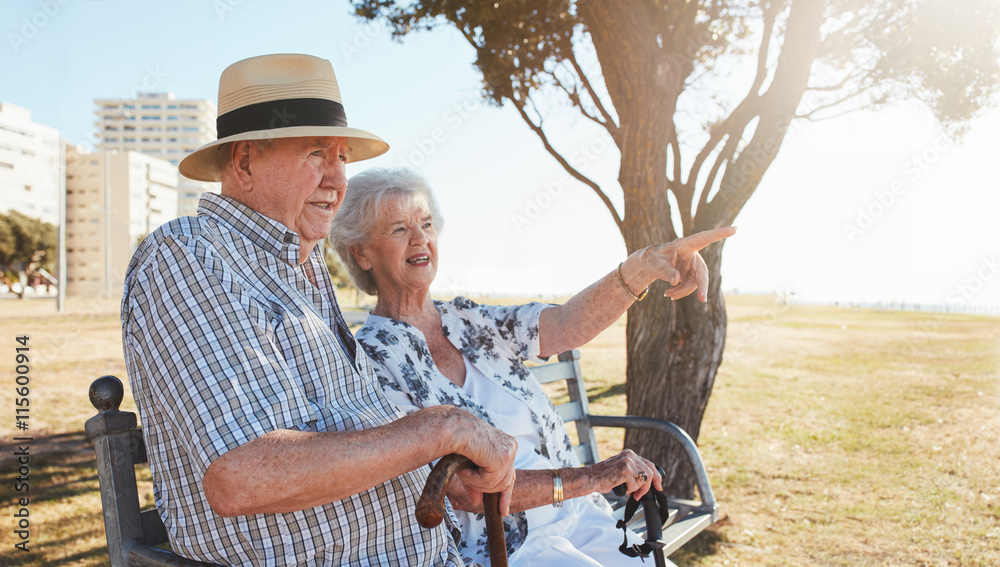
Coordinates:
621 280
557 490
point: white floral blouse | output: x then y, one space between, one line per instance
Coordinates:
497 340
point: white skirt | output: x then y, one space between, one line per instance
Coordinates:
584 535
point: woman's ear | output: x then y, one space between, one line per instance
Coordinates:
361 257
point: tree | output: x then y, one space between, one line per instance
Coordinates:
655 74
26 244
338 273
8 247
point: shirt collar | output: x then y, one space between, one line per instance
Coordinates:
272 236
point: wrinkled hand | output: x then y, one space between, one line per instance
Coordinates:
679 263
626 468
493 451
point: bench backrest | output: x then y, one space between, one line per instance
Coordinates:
577 408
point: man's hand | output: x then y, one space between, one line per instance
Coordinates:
493 451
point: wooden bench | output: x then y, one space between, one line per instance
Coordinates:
134 535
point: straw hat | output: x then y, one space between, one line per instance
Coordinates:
279 96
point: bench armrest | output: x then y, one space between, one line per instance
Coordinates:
674 431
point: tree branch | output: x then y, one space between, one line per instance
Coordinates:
809 115
537 129
609 121
675 147
744 112
791 77
574 98
726 154
770 15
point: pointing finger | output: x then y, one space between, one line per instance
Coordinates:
700 240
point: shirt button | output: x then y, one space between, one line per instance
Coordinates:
289 238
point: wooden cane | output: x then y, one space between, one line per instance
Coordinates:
430 506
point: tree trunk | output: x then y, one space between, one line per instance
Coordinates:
674 350
673 347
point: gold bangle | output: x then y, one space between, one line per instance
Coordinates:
621 280
557 490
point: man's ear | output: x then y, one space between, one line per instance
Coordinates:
240 165
360 257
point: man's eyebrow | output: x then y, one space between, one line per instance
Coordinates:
322 144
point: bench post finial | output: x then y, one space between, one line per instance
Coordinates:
113 432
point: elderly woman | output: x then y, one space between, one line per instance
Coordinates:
429 352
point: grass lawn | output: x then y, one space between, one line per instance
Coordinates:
834 436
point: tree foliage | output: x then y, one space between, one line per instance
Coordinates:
698 96
338 273
26 243
855 53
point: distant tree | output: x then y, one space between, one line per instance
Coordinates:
26 244
656 75
338 273
8 246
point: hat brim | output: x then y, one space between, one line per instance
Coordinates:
203 164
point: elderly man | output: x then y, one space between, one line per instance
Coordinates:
268 435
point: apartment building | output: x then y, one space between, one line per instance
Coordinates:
162 126
31 165
113 200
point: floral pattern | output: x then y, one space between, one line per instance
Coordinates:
497 340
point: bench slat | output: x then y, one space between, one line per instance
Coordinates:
553 372
583 453
570 411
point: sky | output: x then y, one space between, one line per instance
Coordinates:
869 207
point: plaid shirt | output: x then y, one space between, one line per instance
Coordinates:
227 339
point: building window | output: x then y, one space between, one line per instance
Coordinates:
6 165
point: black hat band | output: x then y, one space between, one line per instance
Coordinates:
284 113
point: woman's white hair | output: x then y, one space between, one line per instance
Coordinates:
368 193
